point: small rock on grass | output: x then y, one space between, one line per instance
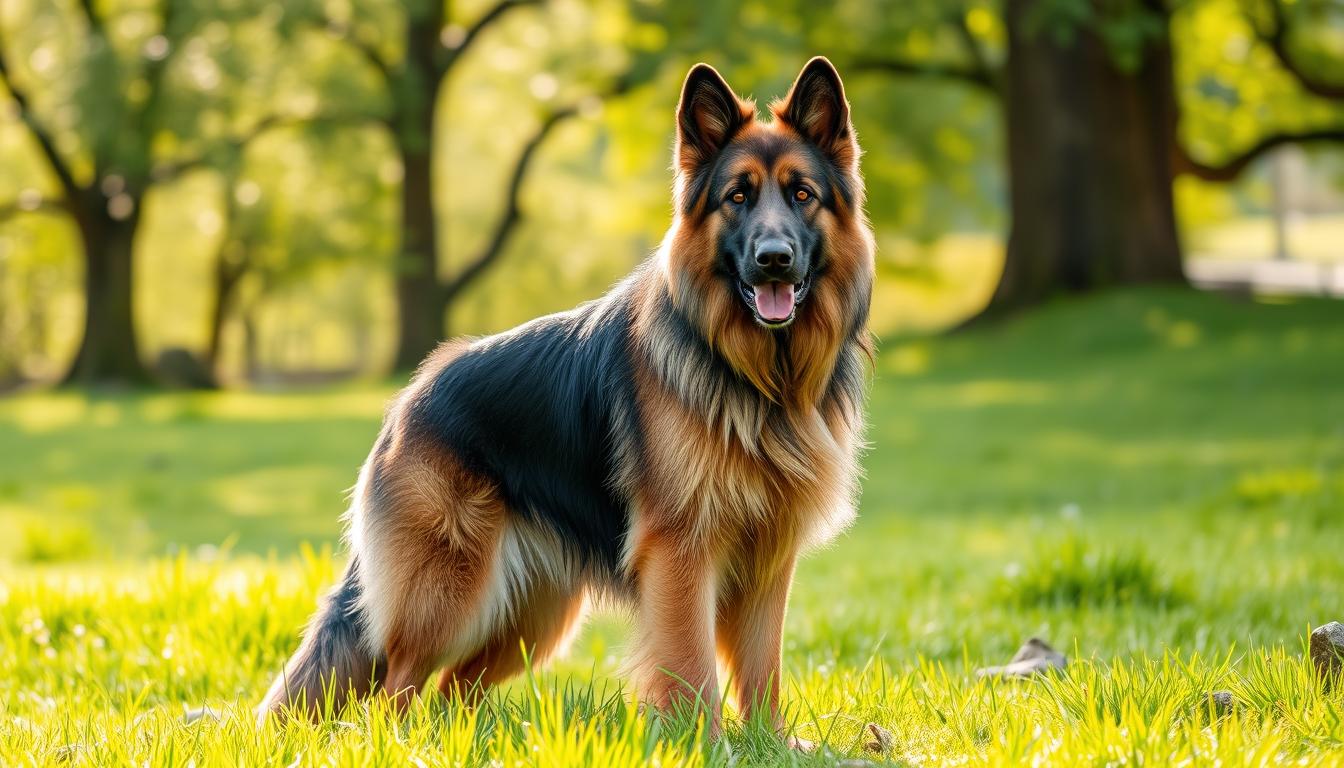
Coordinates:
1327 650
1034 657
200 713
882 739
1220 703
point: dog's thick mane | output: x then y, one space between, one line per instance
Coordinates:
706 381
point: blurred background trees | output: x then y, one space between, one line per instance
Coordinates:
1092 108
216 192
118 99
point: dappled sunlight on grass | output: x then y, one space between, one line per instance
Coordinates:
1174 332
277 491
47 412
150 471
273 407
910 359
978 394
1161 452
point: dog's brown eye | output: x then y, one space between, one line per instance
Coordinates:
739 198
802 195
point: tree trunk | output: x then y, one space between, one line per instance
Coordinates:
420 303
227 277
108 352
1089 163
421 306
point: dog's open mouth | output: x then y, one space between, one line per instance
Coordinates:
774 304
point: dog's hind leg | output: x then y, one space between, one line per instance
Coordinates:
429 541
543 623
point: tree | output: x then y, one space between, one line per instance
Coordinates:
409 83
1089 152
104 202
276 236
121 103
432 46
1092 115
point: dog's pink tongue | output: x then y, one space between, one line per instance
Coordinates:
774 301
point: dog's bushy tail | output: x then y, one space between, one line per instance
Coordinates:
333 661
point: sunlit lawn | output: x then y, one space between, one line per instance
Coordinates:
1152 481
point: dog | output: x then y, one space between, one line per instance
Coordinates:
673 446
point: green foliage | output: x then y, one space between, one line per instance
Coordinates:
1232 89
45 542
1129 28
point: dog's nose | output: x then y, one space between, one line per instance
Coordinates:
774 253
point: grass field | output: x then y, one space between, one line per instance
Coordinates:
1153 481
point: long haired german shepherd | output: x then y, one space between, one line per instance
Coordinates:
674 445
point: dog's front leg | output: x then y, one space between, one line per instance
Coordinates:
751 637
676 629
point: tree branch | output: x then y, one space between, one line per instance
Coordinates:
176 168
45 141
508 221
91 14
496 12
980 65
971 75
1277 40
40 205
365 49
1230 169
512 216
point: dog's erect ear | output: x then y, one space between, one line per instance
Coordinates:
707 116
817 109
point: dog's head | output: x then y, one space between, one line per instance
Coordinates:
767 212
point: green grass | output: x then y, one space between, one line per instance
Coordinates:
1153 481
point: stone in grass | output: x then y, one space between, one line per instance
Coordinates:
1220 703
200 713
1034 657
68 752
1327 651
882 739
